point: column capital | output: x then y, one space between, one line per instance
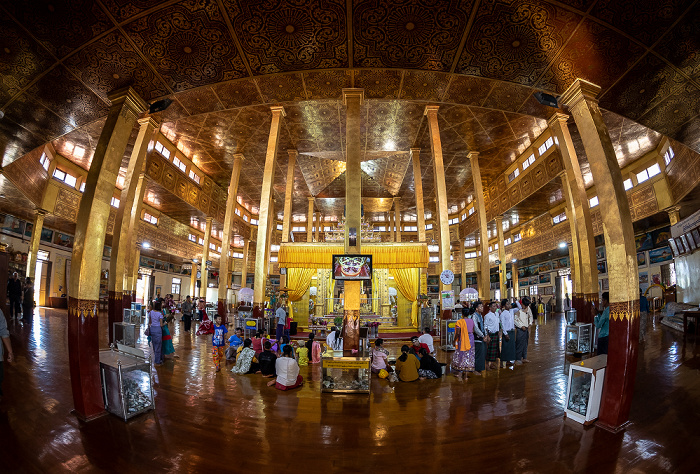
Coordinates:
498 218
415 150
473 155
130 98
42 212
352 93
311 199
278 110
238 156
673 209
149 120
557 118
578 91
209 220
431 109
292 152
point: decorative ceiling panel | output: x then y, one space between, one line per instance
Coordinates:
291 34
282 88
388 172
408 34
326 84
515 41
680 45
188 43
318 172
36 118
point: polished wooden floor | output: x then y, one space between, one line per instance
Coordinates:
506 421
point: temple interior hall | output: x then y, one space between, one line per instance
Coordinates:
350 172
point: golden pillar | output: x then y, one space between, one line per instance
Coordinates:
134 269
125 222
224 262
514 278
84 288
205 257
390 223
483 275
397 218
193 281
310 220
289 195
244 269
318 225
264 217
134 224
574 250
270 226
618 391
440 191
418 187
352 99
503 282
587 272
462 258
674 214
39 215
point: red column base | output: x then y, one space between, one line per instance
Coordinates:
126 300
84 358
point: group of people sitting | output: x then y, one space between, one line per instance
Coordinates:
415 362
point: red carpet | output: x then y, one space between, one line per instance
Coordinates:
383 335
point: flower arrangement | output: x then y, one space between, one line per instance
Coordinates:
338 321
372 324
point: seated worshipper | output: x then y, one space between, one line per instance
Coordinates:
427 339
379 357
429 367
258 342
406 366
285 341
314 349
268 360
303 355
246 363
235 342
417 346
287 369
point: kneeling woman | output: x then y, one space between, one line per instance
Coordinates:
407 366
246 363
287 370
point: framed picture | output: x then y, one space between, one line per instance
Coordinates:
605 284
691 242
674 248
641 259
600 253
660 255
28 229
686 246
11 224
534 280
545 267
679 244
602 267
643 278
696 235
656 279
545 278
46 235
63 240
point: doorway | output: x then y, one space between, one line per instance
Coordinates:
42 280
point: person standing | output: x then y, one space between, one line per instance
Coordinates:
508 328
155 322
281 316
643 314
523 320
202 307
463 358
187 308
479 333
28 300
14 293
491 325
602 322
218 342
5 346
567 302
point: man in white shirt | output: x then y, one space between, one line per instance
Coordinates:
523 319
281 315
492 325
508 327
287 369
427 339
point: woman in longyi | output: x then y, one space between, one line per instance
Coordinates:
463 358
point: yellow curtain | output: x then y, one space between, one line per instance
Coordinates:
319 255
407 282
298 282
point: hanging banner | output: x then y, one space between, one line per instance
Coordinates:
448 299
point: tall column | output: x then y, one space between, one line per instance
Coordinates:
514 278
244 269
483 276
390 223
418 187
270 226
224 264
397 218
39 215
352 98
193 280
503 282
84 288
134 262
577 298
318 226
588 268
263 217
463 251
289 195
674 214
205 257
618 390
441 220
131 276
123 230
310 220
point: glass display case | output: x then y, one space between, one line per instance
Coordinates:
579 338
124 333
345 374
126 381
585 389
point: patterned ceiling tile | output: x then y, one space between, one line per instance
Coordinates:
515 40
21 60
409 33
318 172
581 5
633 141
378 83
601 61
290 35
326 84
76 146
200 101
15 141
468 90
507 96
60 91
535 109
124 9
282 88
689 133
188 43
110 63
240 93
36 118
174 112
423 85
525 126
60 26
669 116
681 46
645 20
388 172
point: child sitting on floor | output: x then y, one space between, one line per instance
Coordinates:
303 356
